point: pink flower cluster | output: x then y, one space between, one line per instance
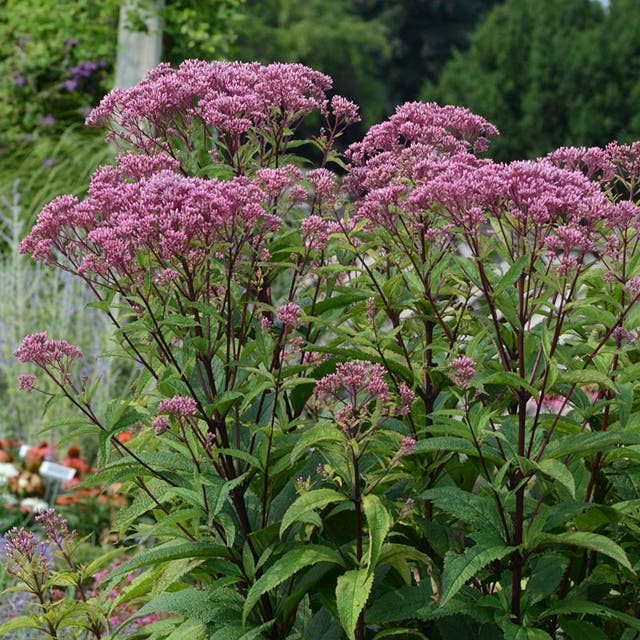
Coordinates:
462 371
445 130
143 205
352 378
316 231
354 387
594 162
179 406
289 315
26 382
41 351
29 558
231 97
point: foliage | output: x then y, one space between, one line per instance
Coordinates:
53 567
379 52
401 406
324 34
550 74
200 29
54 66
422 37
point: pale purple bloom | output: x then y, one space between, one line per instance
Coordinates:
289 315
38 349
160 424
462 371
26 382
407 446
179 406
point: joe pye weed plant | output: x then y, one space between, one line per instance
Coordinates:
386 394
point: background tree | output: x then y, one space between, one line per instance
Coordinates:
550 74
378 52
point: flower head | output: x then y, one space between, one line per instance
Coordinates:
179 406
462 371
38 349
26 382
289 315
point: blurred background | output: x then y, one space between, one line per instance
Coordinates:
547 73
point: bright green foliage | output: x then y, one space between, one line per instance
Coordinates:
549 74
39 49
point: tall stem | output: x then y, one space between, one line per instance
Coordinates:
357 501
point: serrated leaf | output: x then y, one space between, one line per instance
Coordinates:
307 503
479 511
22 622
586 376
313 437
581 629
140 505
379 523
352 593
559 472
511 275
547 571
571 606
508 379
167 552
284 568
587 540
399 604
589 442
460 568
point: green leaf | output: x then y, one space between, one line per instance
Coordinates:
459 568
479 511
22 622
547 570
508 379
379 522
571 606
512 274
399 604
586 540
312 437
193 603
581 629
588 442
284 568
352 592
582 377
225 400
528 633
337 302
169 551
307 503
557 471
404 632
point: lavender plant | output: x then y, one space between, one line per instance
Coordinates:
400 406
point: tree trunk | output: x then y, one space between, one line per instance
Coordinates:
138 51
